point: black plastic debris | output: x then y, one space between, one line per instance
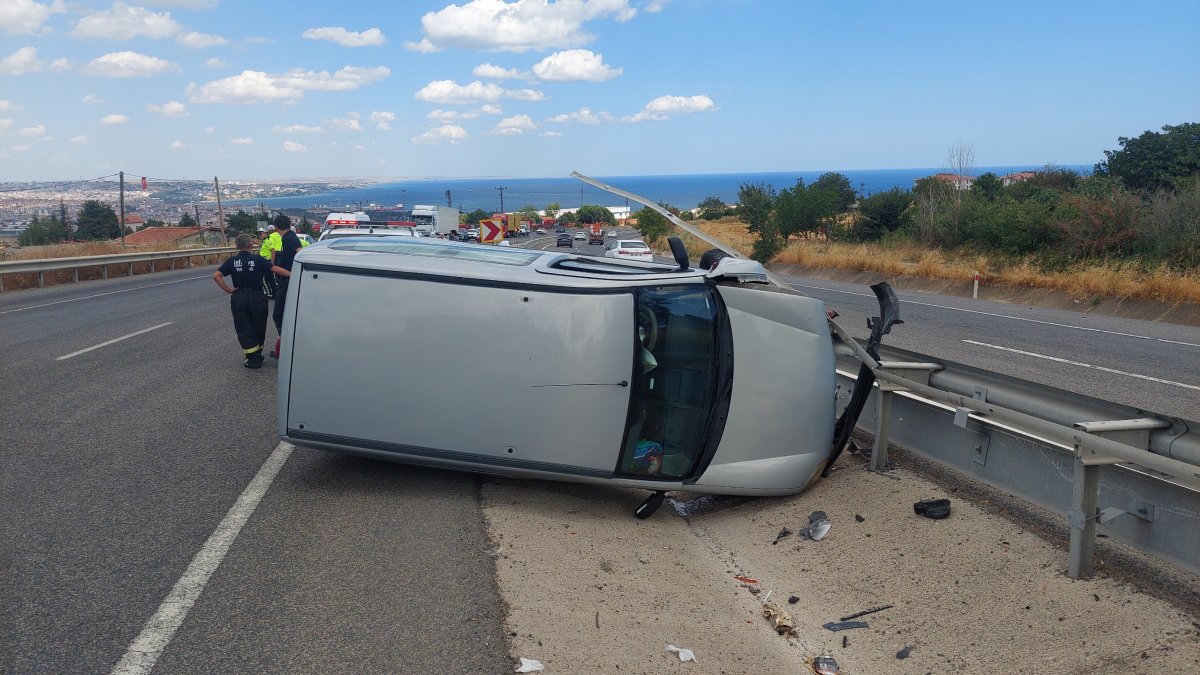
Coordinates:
933 508
782 533
859 518
903 653
866 612
845 625
793 600
825 665
845 641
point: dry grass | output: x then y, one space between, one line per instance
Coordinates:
1118 280
84 248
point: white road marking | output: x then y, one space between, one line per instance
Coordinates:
1084 365
98 295
1007 316
143 653
113 341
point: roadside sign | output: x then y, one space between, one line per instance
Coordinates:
490 232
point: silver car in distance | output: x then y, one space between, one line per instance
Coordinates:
550 365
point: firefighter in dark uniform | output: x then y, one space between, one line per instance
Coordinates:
247 302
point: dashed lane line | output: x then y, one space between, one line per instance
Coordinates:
143 653
1084 365
98 295
112 341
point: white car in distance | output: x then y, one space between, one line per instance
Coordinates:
629 249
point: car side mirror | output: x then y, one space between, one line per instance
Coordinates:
680 252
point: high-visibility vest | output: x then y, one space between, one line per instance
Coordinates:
273 242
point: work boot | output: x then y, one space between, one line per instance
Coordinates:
255 360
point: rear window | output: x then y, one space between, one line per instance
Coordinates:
430 249
633 244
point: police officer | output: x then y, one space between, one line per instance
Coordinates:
247 302
289 246
270 244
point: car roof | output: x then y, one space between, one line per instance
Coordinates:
488 265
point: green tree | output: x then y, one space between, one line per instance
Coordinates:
881 213
803 209
43 231
568 218
652 224
96 220
838 185
241 221
305 226
988 186
591 213
711 208
1155 160
154 222
754 205
529 212
477 215
187 220
552 210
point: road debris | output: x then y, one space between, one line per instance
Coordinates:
845 641
746 580
780 620
782 533
825 665
529 666
903 653
866 612
793 600
859 518
818 526
685 655
935 509
845 625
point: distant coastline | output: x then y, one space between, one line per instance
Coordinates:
683 190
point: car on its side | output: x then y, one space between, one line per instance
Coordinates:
628 249
697 380
563 239
580 235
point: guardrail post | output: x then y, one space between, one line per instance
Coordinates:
1082 516
75 275
130 269
104 271
41 279
883 412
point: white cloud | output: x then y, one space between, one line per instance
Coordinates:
200 40
168 109
215 63
447 133
294 147
91 98
26 16
23 147
209 130
655 6
128 64
663 107
360 148
347 123
242 140
451 92
7 105
80 140
550 134
24 60
61 65
297 129
114 119
177 145
5 124
575 65
447 115
183 4
583 116
424 46
32 132
255 86
489 109
382 119
493 72
372 37
125 22
518 26
513 126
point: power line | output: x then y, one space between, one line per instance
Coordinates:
51 186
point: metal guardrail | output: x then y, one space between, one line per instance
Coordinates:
1130 474
40 267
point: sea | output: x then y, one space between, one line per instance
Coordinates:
684 191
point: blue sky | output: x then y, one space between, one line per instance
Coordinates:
240 89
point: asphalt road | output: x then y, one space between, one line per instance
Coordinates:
121 460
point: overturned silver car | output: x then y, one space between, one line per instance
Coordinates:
541 364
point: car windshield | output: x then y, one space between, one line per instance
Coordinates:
674 381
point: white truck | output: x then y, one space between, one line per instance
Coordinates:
433 220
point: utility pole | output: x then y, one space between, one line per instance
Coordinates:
121 224
220 212
196 208
502 189
62 216
450 203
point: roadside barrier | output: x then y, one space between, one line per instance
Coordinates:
41 267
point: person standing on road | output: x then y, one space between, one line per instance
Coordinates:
271 243
247 302
289 246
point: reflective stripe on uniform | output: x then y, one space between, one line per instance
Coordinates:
250 351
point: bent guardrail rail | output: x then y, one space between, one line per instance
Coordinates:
41 266
1130 473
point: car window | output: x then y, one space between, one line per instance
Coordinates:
633 244
674 381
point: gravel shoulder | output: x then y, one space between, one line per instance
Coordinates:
591 589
